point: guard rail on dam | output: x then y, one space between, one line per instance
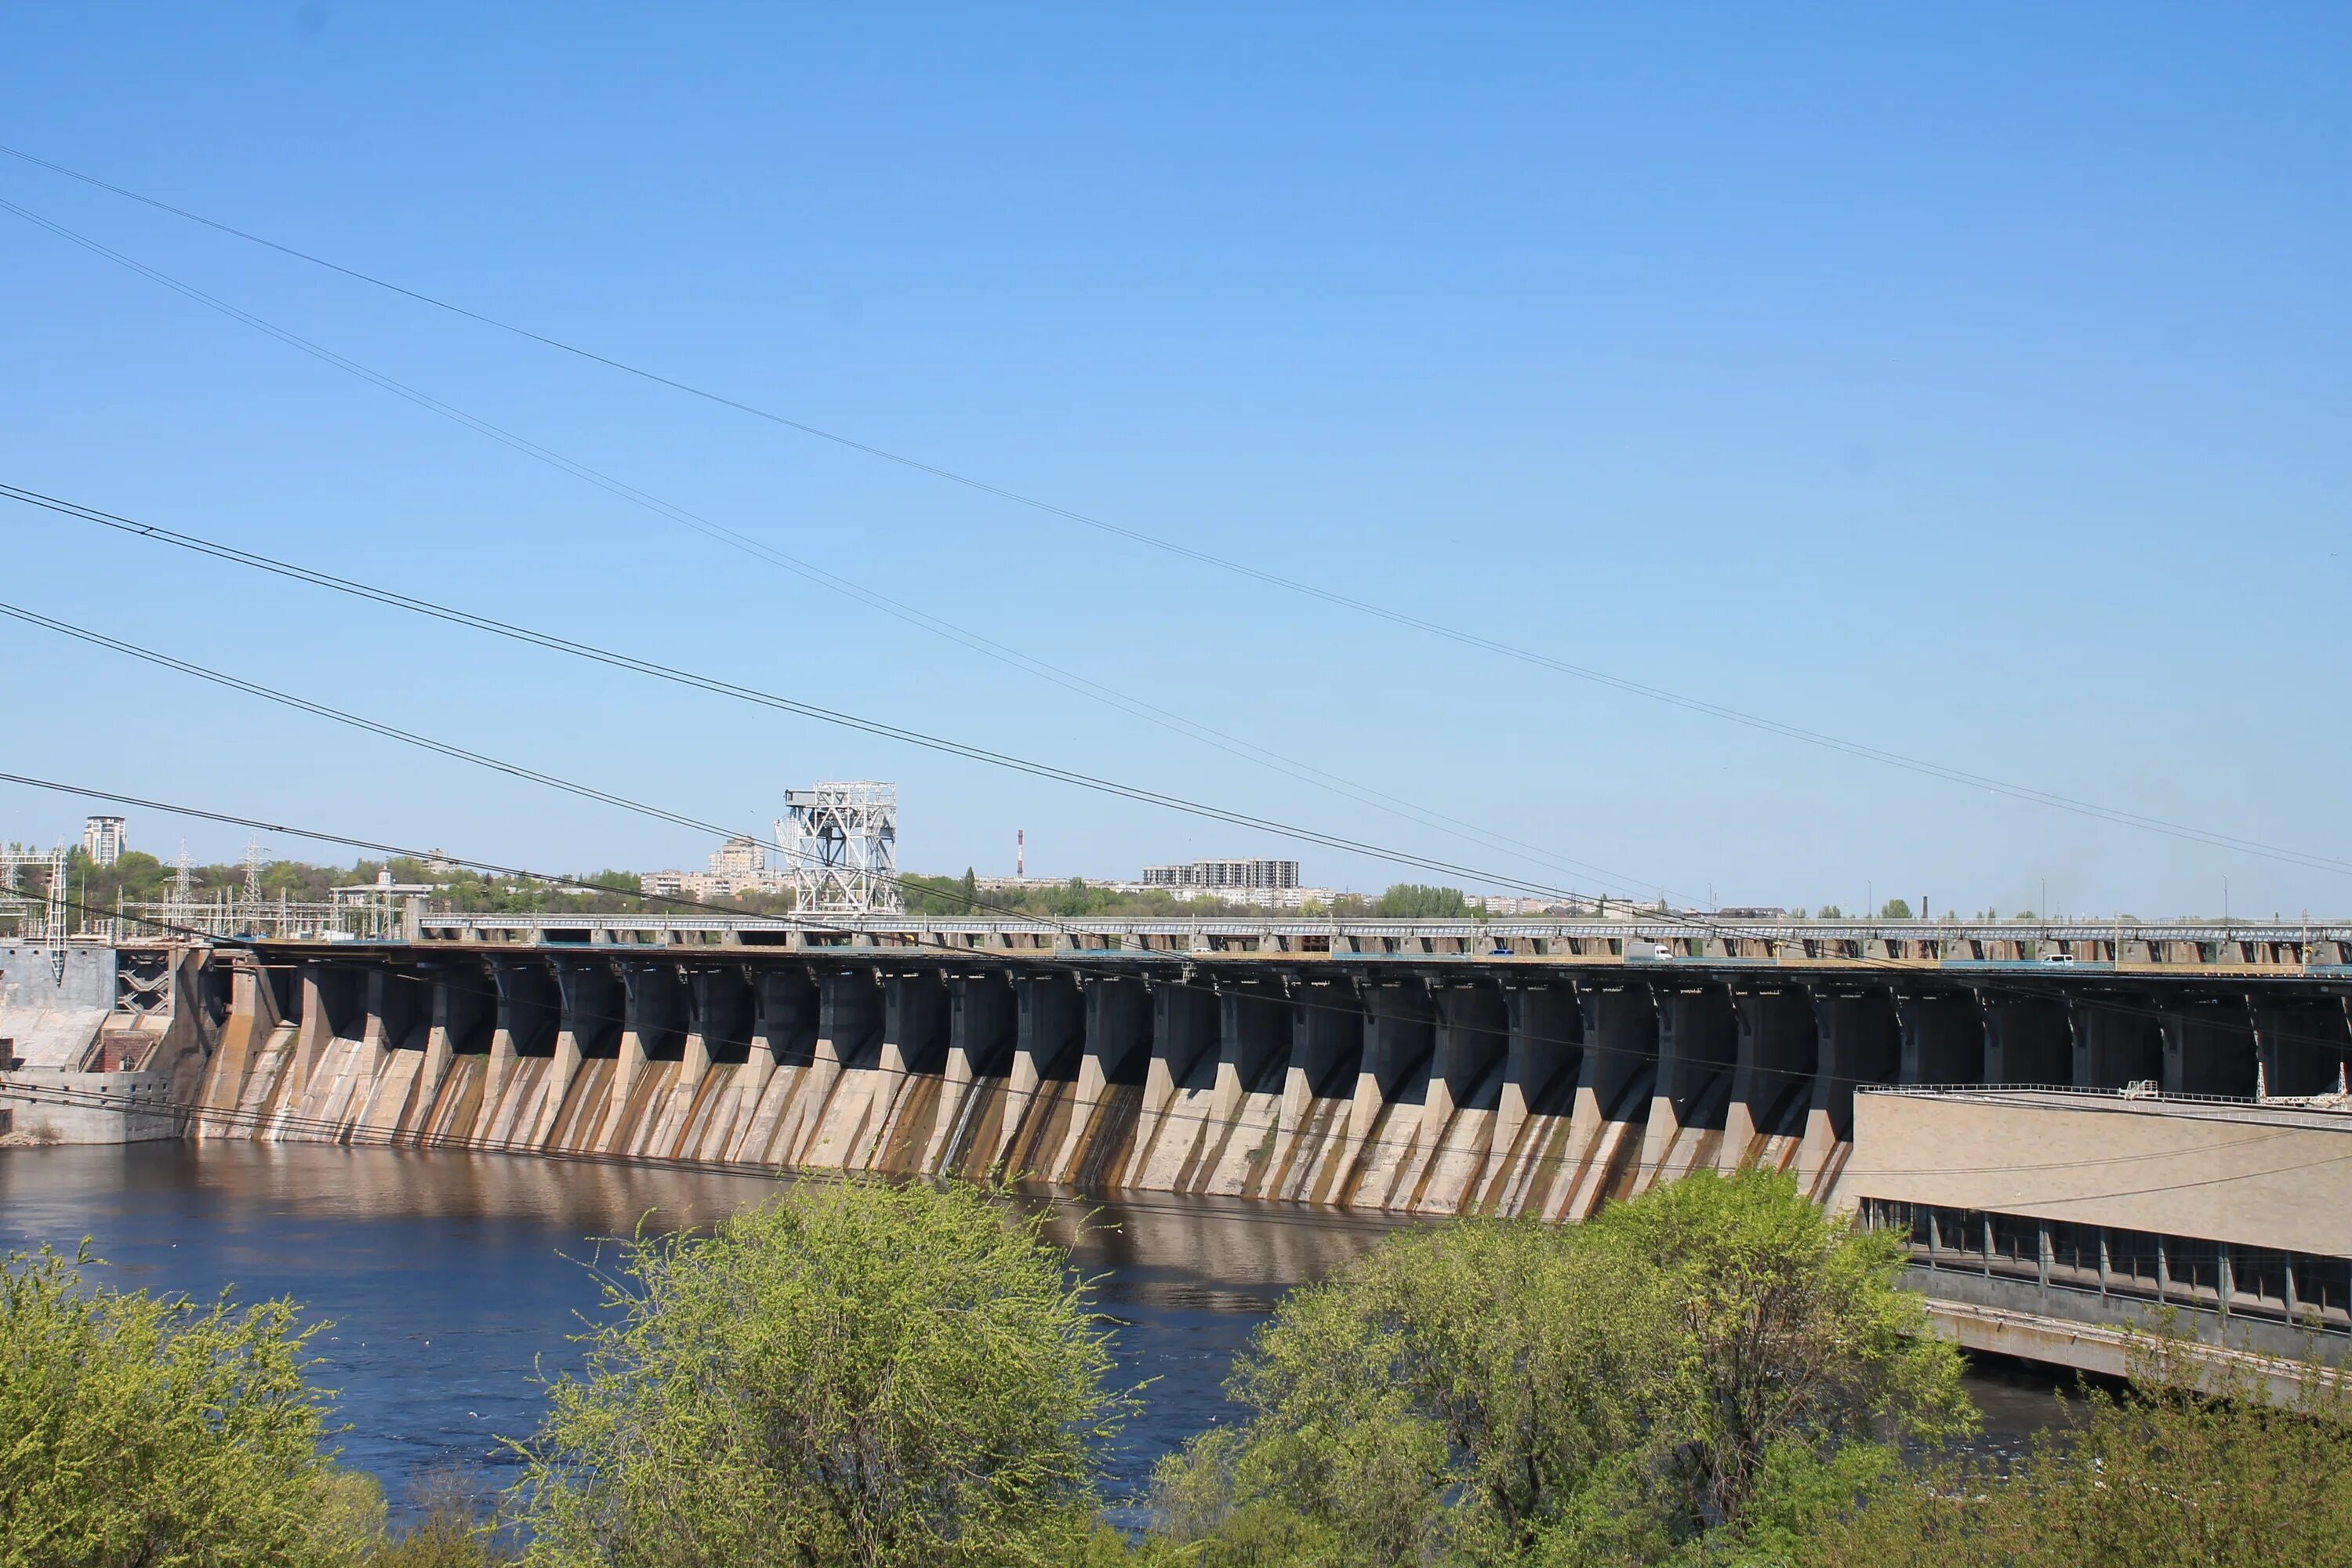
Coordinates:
2065 1144
2231 946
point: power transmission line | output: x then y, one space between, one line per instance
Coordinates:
733 539
1464 637
734 690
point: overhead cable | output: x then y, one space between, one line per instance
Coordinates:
1462 637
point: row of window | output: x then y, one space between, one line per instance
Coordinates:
2134 1265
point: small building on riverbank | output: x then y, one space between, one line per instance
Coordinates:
98 1044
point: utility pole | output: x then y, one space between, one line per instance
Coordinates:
251 913
53 924
184 890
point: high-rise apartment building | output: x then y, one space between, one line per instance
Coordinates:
1212 875
102 839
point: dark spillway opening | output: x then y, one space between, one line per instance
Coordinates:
529 1003
722 1014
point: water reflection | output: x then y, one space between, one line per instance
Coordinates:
451 1279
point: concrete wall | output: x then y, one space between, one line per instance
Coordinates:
2256 1177
51 1017
88 1108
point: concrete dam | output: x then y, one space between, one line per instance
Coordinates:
1438 1070
1402 1095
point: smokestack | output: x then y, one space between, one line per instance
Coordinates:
1020 853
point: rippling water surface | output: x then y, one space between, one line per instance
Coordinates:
452 1279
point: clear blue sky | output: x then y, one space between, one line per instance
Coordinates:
1972 383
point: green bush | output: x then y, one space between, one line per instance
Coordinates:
2192 1466
142 1431
1710 1366
856 1375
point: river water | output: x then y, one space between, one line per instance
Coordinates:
451 1280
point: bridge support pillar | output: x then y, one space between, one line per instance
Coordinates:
1115 1054
914 1024
460 1008
1615 1075
322 989
720 1009
1775 1067
1253 1044
783 1020
1049 1029
1472 1033
587 1023
1183 1033
528 1005
848 1021
653 1018
1327 1048
1049 1032
653 1027
694 1050
1698 1041
1400 1028
1118 1035
1861 1042
980 1028
1546 1049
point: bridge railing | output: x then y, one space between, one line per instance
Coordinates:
1665 929
2142 1093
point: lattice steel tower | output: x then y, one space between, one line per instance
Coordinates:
841 842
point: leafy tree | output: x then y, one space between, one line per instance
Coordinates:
854 1375
137 1430
1415 900
1829 913
1707 1363
1894 909
2190 1466
935 895
453 1528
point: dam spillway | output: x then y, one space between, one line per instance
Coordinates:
1438 1069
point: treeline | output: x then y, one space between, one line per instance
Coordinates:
1717 1375
1073 899
139 878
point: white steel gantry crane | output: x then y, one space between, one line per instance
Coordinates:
841 844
